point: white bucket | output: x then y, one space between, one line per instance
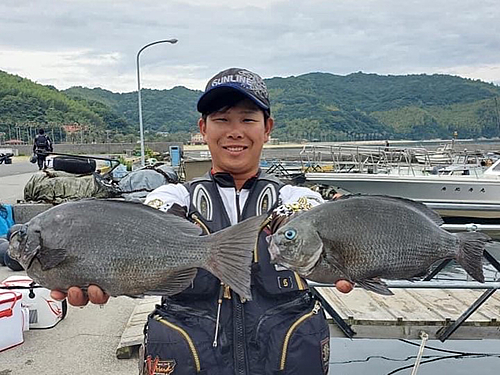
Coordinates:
11 320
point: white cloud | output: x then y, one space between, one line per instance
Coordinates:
94 42
487 73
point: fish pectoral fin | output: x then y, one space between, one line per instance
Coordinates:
334 260
375 285
49 258
176 283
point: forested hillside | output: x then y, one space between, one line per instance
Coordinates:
368 105
26 106
314 106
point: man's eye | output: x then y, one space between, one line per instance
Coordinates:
249 120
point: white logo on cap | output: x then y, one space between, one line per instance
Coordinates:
246 79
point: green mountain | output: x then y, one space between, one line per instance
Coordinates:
319 106
331 107
26 106
368 105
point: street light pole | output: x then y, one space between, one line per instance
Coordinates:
141 128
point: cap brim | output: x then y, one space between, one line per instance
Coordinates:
209 97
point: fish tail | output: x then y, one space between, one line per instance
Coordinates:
470 253
231 252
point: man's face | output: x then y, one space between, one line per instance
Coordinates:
235 138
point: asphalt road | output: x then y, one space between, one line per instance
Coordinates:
20 165
13 178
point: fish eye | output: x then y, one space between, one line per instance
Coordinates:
290 234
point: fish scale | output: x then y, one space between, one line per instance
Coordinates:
130 249
364 238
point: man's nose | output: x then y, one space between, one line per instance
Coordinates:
236 131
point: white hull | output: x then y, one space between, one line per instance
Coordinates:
463 196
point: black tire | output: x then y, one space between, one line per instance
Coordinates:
74 165
4 245
8 161
11 263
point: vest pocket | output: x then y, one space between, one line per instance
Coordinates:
180 344
294 342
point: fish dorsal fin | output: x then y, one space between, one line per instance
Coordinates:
176 283
375 285
49 258
184 225
417 206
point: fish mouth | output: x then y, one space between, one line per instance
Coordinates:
14 244
274 250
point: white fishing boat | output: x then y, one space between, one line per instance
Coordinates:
443 155
461 190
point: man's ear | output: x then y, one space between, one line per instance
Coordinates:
269 128
203 127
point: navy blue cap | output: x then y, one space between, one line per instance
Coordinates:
234 81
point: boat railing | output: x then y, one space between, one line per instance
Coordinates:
345 158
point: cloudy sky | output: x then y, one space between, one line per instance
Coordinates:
94 43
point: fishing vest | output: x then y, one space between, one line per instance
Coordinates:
207 209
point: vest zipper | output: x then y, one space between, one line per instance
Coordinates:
224 289
240 360
186 336
292 329
275 311
238 213
239 319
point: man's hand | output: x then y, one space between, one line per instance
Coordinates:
77 297
344 286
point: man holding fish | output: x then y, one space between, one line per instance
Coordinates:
230 306
207 327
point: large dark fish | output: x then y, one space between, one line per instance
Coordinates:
363 238
130 249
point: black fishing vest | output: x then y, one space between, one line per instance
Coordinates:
207 209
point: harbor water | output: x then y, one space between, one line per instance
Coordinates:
384 357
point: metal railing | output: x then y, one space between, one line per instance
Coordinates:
427 283
378 159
